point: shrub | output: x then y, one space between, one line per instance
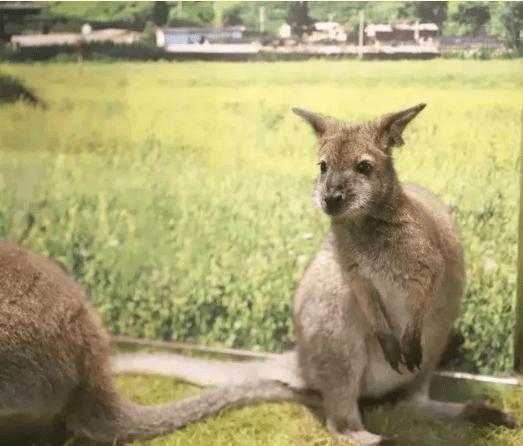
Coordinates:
13 90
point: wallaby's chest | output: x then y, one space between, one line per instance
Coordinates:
375 256
375 259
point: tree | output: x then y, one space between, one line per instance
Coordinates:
160 13
467 18
507 21
302 22
192 14
232 16
432 12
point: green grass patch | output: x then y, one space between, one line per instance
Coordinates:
179 194
290 424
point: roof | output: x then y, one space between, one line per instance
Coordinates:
326 26
378 27
420 26
212 48
373 28
71 38
202 29
20 7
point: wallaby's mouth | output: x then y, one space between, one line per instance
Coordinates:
334 204
332 209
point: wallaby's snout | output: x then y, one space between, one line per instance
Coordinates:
333 194
333 200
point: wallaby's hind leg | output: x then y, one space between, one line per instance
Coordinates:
361 437
344 418
340 385
476 413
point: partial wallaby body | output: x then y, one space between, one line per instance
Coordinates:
55 374
375 307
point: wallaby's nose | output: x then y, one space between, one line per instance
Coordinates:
333 202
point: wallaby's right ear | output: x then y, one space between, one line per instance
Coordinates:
317 121
393 124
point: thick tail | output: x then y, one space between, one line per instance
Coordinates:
124 420
282 368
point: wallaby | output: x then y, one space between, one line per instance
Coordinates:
383 238
55 374
55 371
390 268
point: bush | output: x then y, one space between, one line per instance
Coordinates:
102 51
13 90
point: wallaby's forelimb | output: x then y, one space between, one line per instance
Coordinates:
375 312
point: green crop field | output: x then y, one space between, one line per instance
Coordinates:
179 194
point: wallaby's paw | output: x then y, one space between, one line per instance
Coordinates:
411 349
360 438
485 413
391 348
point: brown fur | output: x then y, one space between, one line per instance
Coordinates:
55 374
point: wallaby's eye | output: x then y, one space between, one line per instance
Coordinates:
323 166
364 167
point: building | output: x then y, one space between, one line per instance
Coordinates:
400 32
332 31
378 32
102 35
190 35
415 31
285 31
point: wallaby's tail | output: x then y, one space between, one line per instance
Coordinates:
282 368
124 420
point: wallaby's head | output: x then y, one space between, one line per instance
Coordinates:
357 176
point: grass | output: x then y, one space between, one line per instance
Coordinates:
179 195
292 424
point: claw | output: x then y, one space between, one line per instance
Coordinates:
391 349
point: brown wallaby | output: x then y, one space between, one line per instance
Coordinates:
383 238
390 269
55 375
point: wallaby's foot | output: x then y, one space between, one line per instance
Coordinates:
360 437
411 349
485 413
391 348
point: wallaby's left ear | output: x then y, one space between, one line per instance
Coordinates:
392 125
317 121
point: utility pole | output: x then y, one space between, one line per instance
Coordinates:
360 42
179 9
518 357
262 19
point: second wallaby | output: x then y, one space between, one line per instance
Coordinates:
55 374
383 290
